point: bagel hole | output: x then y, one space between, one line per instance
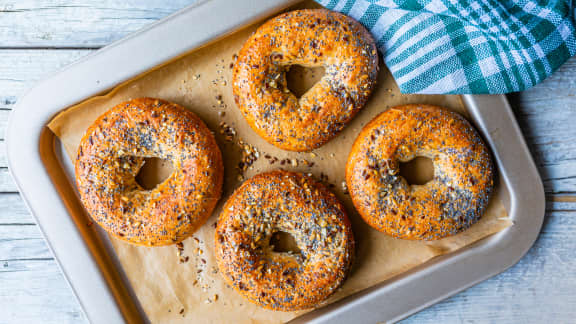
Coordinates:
417 171
300 78
284 242
153 172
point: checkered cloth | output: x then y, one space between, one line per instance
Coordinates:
465 46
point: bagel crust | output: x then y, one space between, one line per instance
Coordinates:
310 38
112 152
448 204
296 204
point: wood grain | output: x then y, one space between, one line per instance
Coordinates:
34 291
13 211
37 37
21 68
77 23
547 116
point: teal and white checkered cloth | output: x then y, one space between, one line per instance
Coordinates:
464 46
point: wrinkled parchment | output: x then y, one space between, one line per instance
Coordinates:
174 292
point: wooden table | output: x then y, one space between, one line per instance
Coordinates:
39 36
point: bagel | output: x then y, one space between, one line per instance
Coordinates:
296 204
112 152
448 204
310 38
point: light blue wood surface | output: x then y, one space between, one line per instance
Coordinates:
39 36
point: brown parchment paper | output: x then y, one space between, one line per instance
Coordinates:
174 292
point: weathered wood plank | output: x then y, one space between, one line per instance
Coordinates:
3 159
13 211
6 182
22 242
20 69
546 114
34 291
79 23
4 117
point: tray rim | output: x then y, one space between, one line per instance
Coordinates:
27 139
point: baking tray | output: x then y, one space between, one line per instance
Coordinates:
42 173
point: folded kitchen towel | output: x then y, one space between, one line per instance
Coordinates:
460 46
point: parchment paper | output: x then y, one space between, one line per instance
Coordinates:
171 291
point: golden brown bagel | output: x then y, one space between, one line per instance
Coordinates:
448 204
310 38
113 150
296 204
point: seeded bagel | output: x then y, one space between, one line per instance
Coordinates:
450 203
310 38
295 204
112 152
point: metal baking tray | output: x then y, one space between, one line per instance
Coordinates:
43 175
